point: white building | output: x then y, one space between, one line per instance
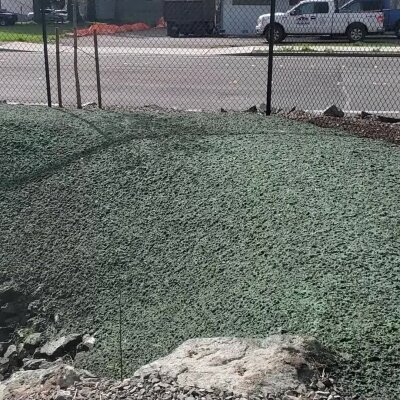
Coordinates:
18 6
239 17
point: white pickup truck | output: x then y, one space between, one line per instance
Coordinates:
321 17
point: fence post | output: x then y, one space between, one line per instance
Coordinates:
76 71
271 40
96 54
46 53
60 103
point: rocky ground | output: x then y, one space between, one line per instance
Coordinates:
363 125
155 388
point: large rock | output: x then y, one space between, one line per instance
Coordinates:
273 365
23 384
59 347
32 342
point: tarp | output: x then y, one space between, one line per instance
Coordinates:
107 29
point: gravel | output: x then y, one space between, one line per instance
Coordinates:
367 128
147 389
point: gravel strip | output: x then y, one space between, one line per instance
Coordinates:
368 128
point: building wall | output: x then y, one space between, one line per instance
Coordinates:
242 19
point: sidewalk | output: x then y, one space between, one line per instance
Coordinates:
201 52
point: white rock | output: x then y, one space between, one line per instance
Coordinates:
273 365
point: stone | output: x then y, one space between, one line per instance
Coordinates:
36 363
87 343
68 377
320 385
63 395
60 347
32 342
334 111
11 352
252 109
22 381
3 347
276 364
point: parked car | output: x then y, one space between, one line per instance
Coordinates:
7 18
321 17
57 16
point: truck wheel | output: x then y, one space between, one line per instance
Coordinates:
3 22
356 32
279 33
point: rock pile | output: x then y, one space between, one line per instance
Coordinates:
66 383
23 349
280 367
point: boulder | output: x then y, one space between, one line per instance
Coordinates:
23 384
59 347
275 364
32 342
334 111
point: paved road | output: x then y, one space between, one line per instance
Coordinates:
210 82
156 38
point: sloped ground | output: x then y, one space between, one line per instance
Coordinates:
205 225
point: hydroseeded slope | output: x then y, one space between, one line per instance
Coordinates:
210 225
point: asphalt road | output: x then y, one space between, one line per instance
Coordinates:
209 82
157 38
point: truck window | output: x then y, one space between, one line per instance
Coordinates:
321 8
305 8
371 5
363 6
353 7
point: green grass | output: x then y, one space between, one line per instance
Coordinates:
208 225
30 32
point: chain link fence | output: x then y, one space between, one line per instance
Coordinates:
204 54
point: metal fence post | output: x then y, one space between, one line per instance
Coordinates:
271 40
46 53
96 56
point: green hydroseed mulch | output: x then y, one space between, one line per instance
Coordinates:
207 225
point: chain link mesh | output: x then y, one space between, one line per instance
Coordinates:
206 54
